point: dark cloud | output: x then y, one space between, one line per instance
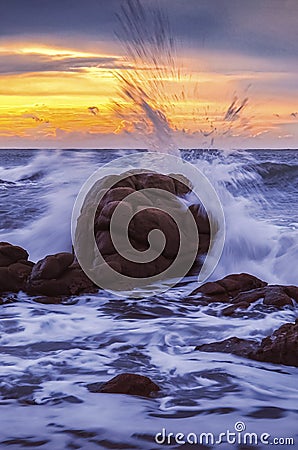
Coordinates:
267 28
23 63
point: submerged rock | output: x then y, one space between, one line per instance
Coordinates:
234 345
126 383
279 348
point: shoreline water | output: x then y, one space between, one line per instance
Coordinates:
52 352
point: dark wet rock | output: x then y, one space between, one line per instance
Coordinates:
292 291
241 290
229 310
45 300
229 287
126 383
249 296
281 347
144 218
51 266
10 254
14 277
234 345
55 276
277 296
14 267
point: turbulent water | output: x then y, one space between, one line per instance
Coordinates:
51 352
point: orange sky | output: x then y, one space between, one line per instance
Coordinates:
47 91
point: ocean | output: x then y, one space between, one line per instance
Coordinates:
50 353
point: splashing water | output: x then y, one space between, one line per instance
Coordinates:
156 89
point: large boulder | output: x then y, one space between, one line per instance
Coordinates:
126 383
56 275
15 268
10 254
146 215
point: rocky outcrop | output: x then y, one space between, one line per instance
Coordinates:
126 383
56 275
234 345
241 290
279 348
147 214
15 268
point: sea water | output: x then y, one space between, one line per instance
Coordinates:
50 353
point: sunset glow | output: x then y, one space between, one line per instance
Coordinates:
64 94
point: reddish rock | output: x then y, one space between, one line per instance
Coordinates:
14 277
292 291
249 296
241 290
281 347
52 266
56 276
234 345
230 286
144 218
229 310
234 284
126 383
276 296
210 289
155 180
201 218
10 254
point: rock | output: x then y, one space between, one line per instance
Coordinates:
281 347
234 284
144 214
249 296
51 266
276 296
10 254
234 345
229 310
48 300
126 383
55 276
13 278
72 282
155 180
292 291
241 290
230 286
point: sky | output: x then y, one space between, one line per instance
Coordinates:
114 74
